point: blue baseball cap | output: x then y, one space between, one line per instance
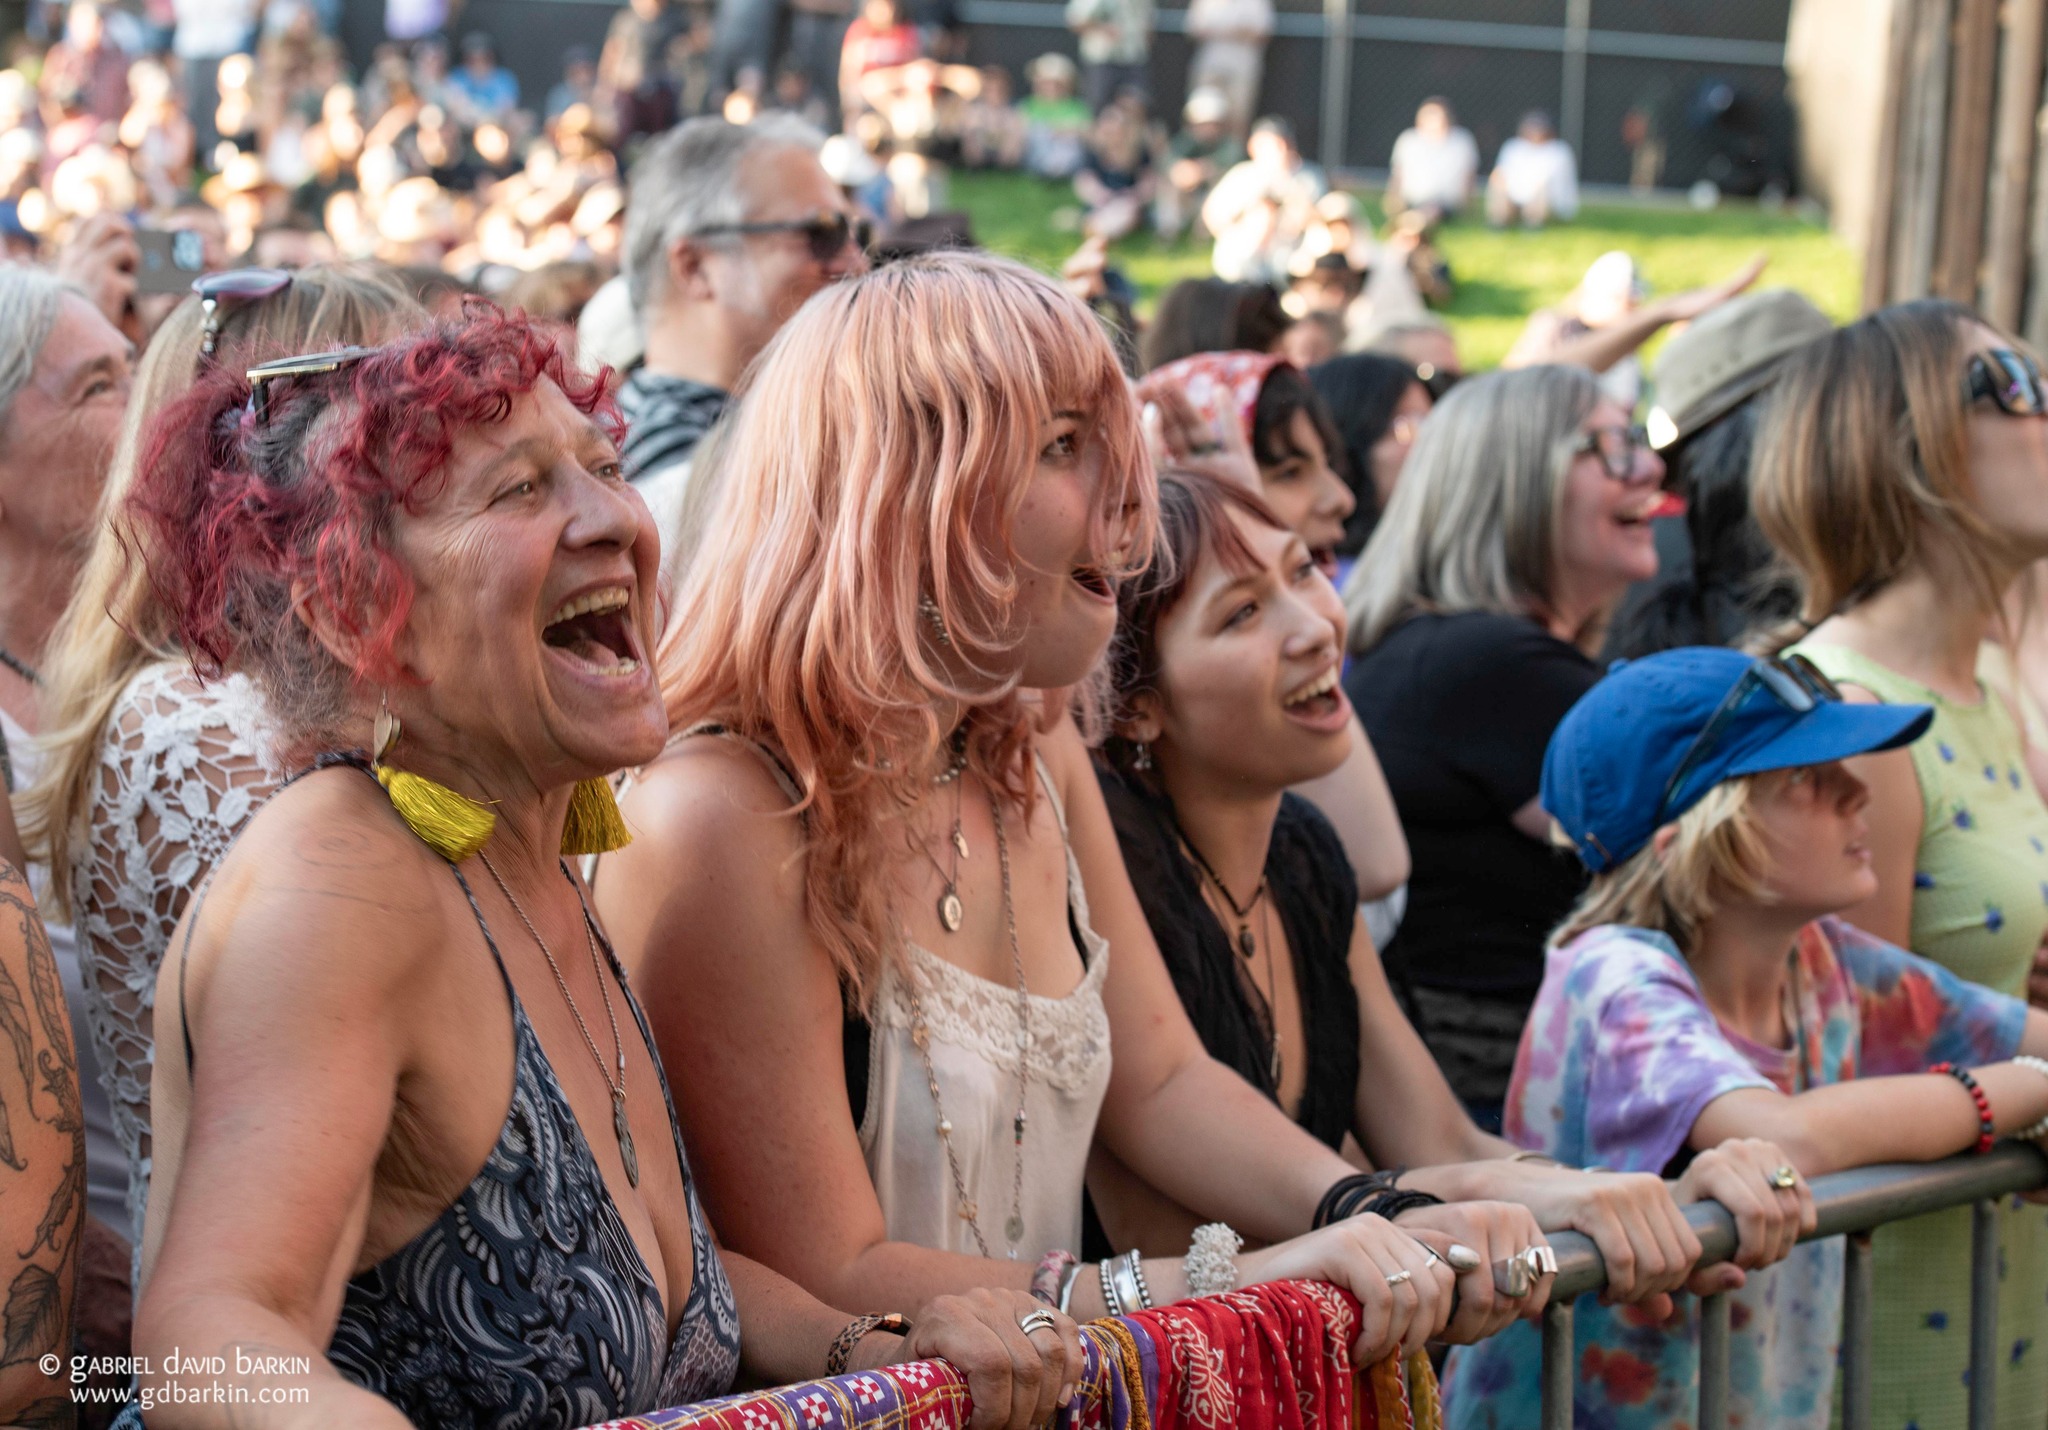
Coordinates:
1647 743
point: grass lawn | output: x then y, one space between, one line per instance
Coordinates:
1501 277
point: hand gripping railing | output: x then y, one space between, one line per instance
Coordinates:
1848 1202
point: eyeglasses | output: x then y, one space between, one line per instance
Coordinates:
221 293
310 365
2011 379
1616 447
1794 682
827 233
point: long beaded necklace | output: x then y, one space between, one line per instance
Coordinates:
621 1128
921 1039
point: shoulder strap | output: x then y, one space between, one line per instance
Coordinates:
784 776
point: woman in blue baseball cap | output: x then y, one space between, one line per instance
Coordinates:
1703 989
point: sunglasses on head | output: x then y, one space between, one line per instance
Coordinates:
2010 379
221 293
826 233
1795 682
264 375
1616 447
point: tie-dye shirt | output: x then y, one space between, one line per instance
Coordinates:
1620 1057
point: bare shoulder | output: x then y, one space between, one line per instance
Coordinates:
708 799
1067 760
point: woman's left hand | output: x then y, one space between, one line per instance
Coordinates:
1742 1175
1644 1241
1016 1380
1495 1231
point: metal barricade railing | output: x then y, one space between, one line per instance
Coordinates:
1849 1203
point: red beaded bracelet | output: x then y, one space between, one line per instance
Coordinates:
1986 1136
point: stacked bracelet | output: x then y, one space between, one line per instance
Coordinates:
1211 1262
1392 1204
1112 1304
856 1331
1347 1194
1051 1275
1123 1284
1987 1136
2038 1129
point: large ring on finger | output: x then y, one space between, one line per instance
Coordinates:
1516 1277
1785 1178
1400 1276
1038 1321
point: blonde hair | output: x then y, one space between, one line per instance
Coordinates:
114 625
1716 853
1862 460
1473 523
882 448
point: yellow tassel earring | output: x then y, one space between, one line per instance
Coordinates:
595 825
453 825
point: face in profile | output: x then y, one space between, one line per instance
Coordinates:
1816 838
1605 541
1064 546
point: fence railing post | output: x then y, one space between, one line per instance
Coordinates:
1856 1307
1559 1372
1983 1315
1714 1362
1336 84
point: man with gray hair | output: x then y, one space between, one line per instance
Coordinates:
730 228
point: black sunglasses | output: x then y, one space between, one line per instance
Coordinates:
311 365
1435 381
827 233
221 293
2011 379
1616 447
1793 681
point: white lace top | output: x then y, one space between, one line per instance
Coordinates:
182 767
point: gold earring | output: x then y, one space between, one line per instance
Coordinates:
453 825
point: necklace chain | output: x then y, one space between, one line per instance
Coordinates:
921 1038
620 1126
19 666
1246 945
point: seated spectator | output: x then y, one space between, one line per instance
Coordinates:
578 84
550 1276
1535 178
86 66
1201 153
1116 181
993 130
1706 989
1717 577
1224 672
632 68
881 37
1377 403
482 91
1602 323
888 977
1208 315
1260 209
1230 39
1056 121
1115 40
1434 167
1521 516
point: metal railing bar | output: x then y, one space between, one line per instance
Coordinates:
1714 1362
1846 1201
1560 1370
1856 1308
1983 1315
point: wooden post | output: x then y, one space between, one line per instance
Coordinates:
2035 329
1879 242
2012 168
1916 202
1968 162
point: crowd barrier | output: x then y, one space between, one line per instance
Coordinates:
1849 1203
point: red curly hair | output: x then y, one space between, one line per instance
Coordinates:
237 513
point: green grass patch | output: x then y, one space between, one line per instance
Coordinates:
1501 277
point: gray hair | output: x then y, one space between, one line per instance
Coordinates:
688 181
1472 525
29 299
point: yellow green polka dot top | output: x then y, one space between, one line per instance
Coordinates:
1980 880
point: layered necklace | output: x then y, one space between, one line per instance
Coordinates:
920 1030
1247 945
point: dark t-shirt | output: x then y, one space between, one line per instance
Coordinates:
1460 709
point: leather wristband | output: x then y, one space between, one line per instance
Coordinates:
858 1330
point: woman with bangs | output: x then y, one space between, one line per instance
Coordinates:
1708 987
874 900
1902 472
1225 699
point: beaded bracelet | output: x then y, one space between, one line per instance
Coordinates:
2039 1129
856 1331
1987 1136
1211 1262
1112 1304
1138 1275
1050 1276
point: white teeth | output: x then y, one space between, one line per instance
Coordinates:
610 598
1321 685
624 665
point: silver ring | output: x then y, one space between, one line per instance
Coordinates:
1785 1178
1399 1276
1430 1252
1038 1321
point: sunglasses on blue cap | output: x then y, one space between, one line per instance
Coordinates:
1795 682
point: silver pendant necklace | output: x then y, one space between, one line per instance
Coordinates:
952 913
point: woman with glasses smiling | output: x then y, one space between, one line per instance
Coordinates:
1521 516
1903 473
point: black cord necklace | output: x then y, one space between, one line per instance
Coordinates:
1247 946
19 666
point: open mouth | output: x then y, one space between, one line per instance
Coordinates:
1319 700
1096 582
1642 512
1325 559
593 629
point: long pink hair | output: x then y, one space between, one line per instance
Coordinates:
884 444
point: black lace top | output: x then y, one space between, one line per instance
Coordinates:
1315 895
